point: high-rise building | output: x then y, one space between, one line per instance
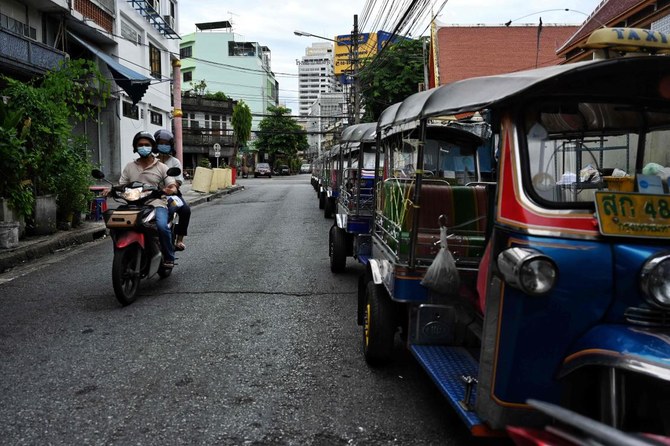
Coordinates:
316 75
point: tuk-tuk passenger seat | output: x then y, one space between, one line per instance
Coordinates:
466 209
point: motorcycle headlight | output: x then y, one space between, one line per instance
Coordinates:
132 194
528 270
655 280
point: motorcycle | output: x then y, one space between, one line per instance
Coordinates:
132 226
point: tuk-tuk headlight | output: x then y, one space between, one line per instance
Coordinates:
655 280
528 270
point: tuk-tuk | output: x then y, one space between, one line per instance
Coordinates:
350 233
321 175
336 163
563 259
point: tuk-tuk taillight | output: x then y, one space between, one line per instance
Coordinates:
655 280
528 270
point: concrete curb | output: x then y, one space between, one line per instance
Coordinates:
36 247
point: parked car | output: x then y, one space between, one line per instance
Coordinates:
262 170
284 170
305 168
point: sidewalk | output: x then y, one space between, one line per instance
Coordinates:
31 248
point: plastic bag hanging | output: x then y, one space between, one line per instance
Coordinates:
442 275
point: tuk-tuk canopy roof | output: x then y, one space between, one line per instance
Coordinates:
366 132
630 77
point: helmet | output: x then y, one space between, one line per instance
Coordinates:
144 135
165 135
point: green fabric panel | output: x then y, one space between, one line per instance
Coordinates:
466 208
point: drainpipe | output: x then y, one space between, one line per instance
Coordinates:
176 112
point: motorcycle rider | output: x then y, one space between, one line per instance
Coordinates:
165 140
148 169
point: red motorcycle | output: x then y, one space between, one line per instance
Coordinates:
132 226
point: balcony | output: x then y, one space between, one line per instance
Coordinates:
164 24
25 55
207 105
205 137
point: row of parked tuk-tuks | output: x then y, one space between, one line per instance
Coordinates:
537 204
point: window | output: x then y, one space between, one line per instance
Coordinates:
13 25
241 49
130 110
155 61
186 52
188 76
156 118
128 33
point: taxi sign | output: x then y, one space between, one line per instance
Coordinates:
633 214
629 40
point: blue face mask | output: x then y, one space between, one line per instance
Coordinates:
144 151
164 148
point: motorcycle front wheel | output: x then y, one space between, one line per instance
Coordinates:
124 278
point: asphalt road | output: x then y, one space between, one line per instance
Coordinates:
251 341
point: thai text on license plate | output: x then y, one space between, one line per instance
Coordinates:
633 215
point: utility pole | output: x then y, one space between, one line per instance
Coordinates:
356 85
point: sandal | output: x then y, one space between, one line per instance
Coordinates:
168 265
179 246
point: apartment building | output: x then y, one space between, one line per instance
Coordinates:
134 43
226 63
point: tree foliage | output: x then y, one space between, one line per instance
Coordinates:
279 133
391 77
241 123
41 152
241 120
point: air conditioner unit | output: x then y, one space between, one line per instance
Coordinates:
169 20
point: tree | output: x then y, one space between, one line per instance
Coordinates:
41 153
391 77
241 127
279 133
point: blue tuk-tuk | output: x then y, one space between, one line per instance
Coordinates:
562 291
350 233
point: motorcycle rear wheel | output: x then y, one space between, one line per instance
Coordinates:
126 282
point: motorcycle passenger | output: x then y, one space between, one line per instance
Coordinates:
165 140
148 169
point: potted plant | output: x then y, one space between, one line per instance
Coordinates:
16 194
54 162
74 196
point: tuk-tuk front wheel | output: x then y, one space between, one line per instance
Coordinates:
378 326
338 249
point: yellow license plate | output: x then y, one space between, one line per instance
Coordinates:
633 215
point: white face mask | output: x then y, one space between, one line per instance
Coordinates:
144 151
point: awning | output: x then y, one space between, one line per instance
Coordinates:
132 82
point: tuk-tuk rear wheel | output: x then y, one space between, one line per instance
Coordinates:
378 326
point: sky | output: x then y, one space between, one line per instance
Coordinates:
272 23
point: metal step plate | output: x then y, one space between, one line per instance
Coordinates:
447 366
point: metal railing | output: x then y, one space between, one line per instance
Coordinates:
34 55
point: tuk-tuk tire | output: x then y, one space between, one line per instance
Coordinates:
378 326
328 208
338 249
322 200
